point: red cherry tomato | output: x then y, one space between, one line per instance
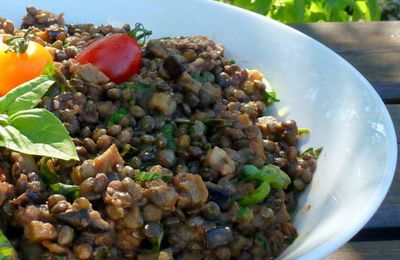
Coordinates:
118 56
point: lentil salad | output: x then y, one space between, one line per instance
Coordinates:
179 161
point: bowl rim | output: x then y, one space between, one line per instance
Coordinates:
383 186
344 235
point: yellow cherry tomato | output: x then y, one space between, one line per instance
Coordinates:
17 68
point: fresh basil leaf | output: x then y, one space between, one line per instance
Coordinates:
71 192
118 115
6 249
25 96
50 70
37 132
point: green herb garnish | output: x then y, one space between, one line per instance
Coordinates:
301 131
262 242
269 97
151 176
47 175
200 79
315 153
168 132
256 196
245 213
137 88
118 115
269 175
157 246
71 192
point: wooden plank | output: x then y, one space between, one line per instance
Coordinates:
388 250
388 214
373 48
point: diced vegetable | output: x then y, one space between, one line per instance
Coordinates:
220 161
189 84
163 103
193 185
90 73
38 231
107 160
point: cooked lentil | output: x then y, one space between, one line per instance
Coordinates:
219 124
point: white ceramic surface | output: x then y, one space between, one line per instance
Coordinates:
321 90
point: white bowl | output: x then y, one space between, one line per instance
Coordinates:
321 90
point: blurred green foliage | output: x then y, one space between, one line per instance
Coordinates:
293 11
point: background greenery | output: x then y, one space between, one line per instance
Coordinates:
292 11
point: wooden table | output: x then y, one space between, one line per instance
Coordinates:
374 49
